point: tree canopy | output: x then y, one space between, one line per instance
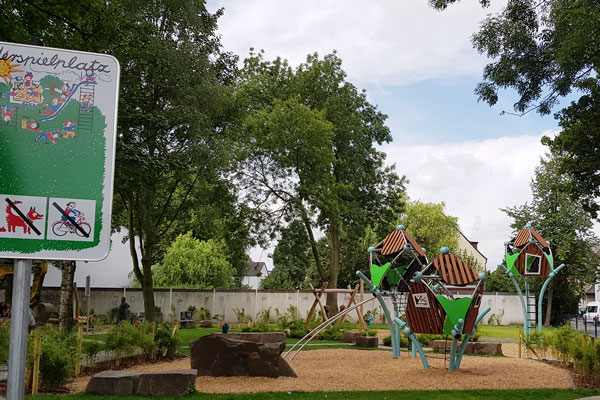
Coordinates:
191 263
569 229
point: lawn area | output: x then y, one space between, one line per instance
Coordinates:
547 394
504 331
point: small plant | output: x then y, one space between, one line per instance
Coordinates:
166 339
372 332
204 314
496 319
387 341
59 353
241 315
332 333
91 348
264 316
4 341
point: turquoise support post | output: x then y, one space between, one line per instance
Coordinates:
413 347
463 347
514 281
396 331
456 333
414 341
377 293
550 276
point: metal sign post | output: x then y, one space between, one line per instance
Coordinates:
18 330
57 147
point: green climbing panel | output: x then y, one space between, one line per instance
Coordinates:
394 275
377 272
550 260
455 309
510 263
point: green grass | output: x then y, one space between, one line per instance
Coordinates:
503 331
547 394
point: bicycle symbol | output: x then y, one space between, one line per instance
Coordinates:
62 227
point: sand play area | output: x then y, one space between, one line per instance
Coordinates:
349 370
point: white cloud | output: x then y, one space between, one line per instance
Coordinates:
385 42
475 179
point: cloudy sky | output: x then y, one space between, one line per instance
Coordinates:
418 66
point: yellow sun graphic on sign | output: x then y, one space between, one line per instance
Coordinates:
6 68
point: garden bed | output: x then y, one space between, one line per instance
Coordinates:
350 370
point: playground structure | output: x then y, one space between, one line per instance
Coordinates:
318 293
419 292
529 255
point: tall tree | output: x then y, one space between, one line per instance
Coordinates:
334 179
546 50
174 102
568 228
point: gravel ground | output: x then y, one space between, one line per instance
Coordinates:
349 370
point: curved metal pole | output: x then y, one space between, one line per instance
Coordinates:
463 347
377 293
525 319
550 276
321 328
414 341
456 334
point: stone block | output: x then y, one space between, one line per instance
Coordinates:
350 336
488 348
206 324
222 355
166 383
187 325
118 383
367 341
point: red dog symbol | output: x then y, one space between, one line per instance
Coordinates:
14 221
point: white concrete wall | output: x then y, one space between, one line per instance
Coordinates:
253 302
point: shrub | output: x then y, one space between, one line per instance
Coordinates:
91 348
387 341
165 340
204 314
372 332
59 353
241 315
4 341
332 333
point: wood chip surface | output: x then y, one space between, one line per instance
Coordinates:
349 370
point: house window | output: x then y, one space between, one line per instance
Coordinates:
421 300
533 264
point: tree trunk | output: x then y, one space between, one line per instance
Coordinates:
334 268
549 306
65 315
147 287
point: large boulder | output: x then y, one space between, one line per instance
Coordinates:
118 383
221 355
166 383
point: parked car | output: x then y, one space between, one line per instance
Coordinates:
592 311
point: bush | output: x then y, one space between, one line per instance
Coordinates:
4 341
204 314
59 353
91 348
127 339
240 314
332 333
387 341
372 332
165 340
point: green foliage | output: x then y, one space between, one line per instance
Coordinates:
165 340
191 263
372 332
4 342
495 319
91 348
387 341
430 226
59 353
332 332
427 338
290 323
240 314
204 314
568 228
127 339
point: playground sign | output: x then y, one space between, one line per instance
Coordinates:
57 146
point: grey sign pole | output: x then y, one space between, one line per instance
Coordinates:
88 280
18 330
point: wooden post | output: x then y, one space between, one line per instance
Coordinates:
37 344
79 349
520 341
